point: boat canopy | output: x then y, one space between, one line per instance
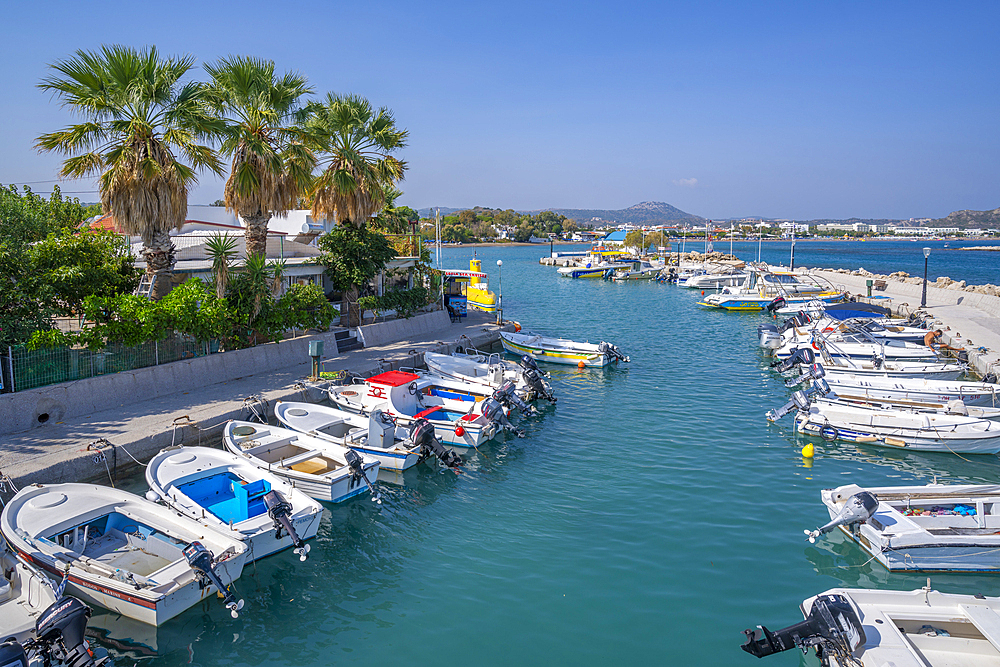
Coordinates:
850 309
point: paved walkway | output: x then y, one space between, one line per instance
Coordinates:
64 452
970 321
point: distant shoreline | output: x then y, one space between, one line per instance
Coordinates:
694 239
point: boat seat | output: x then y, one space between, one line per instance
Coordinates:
986 620
313 466
428 411
304 456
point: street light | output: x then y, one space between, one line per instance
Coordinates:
923 297
500 295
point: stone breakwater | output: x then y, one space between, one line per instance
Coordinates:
943 282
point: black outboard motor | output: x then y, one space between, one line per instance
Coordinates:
991 378
356 464
200 560
506 395
832 626
422 435
493 411
59 636
533 378
280 511
12 655
859 508
776 303
800 355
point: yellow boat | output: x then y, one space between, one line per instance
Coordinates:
475 286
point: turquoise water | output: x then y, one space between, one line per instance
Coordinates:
648 517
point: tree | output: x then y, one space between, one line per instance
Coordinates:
393 219
352 257
354 145
271 166
137 114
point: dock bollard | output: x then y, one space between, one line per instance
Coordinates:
315 351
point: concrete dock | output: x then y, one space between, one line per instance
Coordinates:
99 430
969 320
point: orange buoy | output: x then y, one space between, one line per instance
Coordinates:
703 292
581 365
459 431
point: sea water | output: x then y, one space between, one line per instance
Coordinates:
647 518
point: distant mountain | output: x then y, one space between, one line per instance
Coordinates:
648 212
969 219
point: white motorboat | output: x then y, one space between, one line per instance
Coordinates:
855 347
376 435
726 277
319 468
639 269
902 429
227 493
765 289
461 416
25 592
123 552
561 350
491 371
934 527
598 264
876 628
913 392
857 369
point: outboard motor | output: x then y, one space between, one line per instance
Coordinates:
815 372
832 626
612 351
357 466
990 378
800 355
200 560
507 396
59 634
493 410
280 512
799 401
12 655
768 336
422 435
859 508
776 303
533 378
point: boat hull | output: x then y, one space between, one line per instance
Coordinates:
895 438
557 357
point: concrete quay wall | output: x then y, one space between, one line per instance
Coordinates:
373 335
73 452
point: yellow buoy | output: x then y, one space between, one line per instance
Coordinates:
808 451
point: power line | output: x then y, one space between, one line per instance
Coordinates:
54 180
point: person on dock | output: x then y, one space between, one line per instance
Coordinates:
932 341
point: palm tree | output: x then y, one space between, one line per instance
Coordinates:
353 144
271 167
137 115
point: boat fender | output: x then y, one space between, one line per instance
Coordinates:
517 327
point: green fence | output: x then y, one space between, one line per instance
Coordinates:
24 369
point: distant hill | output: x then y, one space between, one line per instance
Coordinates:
969 219
646 213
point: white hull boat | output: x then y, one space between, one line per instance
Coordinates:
715 280
561 350
319 468
930 528
124 553
888 350
875 628
457 415
878 368
490 372
25 592
227 493
915 392
377 435
900 429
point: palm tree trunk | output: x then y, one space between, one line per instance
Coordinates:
256 233
159 255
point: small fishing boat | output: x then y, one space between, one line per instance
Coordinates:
122 552
25 592
561 350
462 416
638 269
376 435
901 429
491 371
474 286
319 468
929 528
227 493
876 628
598 264
857 369
913 392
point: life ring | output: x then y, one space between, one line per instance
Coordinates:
834 433
517 327
815 346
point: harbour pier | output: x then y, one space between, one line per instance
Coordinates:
100 429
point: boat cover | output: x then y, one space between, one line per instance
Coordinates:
850 309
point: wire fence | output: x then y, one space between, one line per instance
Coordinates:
22 369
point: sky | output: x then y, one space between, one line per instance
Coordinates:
797 110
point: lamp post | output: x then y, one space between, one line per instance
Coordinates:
923 296
500 295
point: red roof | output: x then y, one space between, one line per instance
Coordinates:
394 378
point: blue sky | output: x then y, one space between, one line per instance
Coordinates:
777 109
